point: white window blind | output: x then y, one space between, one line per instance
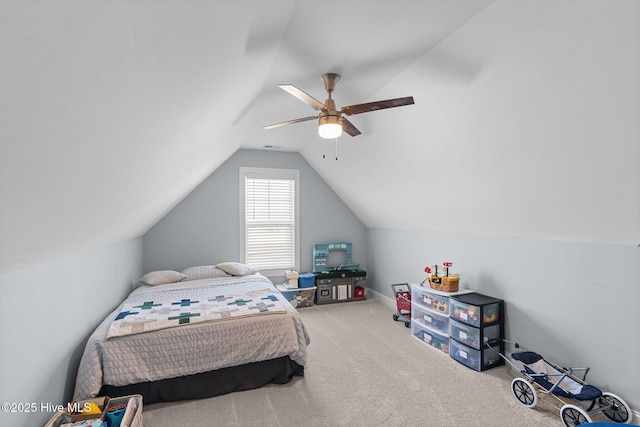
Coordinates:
270 213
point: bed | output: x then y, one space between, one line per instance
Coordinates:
202 336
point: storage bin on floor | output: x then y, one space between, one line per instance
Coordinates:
114 410
298 297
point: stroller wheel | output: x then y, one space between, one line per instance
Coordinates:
407 324
396 317
573 416
524 392
615 408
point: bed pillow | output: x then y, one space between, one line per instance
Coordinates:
203 272
236 268
161 277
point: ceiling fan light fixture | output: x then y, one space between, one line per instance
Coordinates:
330 127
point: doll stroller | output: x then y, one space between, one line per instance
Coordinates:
403 303
547 379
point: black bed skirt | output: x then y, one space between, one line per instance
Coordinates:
212 383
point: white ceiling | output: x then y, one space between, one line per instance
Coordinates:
525 122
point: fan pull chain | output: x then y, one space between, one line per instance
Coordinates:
324 148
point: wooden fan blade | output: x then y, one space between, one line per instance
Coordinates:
349 128
290 122
377 105
304 97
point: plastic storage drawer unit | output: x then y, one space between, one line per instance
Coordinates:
474 359
476 320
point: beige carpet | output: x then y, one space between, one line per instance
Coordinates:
364 369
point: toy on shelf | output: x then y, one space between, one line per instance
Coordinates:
442 280
291 279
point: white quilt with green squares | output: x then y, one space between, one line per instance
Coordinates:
135 318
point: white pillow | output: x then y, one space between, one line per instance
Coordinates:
161 277
236 268
203 272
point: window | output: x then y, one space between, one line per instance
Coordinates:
269 217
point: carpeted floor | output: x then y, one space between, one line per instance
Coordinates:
364 369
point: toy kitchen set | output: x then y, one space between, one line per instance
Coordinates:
337 278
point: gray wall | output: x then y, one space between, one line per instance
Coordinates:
203 228
47 313
575 303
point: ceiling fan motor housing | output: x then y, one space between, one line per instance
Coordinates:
327 117
329 112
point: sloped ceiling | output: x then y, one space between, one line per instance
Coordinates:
540 140
525 122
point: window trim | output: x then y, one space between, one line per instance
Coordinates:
270 173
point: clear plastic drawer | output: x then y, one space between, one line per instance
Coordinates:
432 338
474 315
435 321
475 359
473 337
430 300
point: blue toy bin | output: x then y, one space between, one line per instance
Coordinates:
307 280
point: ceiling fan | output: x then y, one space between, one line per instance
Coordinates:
331 122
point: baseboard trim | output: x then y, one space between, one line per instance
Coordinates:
388 301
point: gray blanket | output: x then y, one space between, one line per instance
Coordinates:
192 348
